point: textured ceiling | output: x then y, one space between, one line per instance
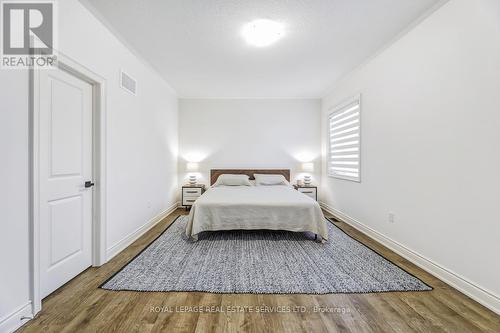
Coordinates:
196 45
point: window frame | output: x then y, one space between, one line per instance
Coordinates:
331 112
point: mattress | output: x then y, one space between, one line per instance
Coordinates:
253 208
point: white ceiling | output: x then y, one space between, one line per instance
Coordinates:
196 45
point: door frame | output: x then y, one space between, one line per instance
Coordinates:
98 83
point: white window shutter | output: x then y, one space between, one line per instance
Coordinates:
344 135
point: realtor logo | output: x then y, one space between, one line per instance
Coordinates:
27 33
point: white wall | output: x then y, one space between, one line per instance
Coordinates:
142 130
241 133
430 143
14 249
142 144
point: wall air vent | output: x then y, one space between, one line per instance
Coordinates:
128 83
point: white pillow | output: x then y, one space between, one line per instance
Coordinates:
261 179
233 180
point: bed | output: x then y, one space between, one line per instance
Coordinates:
255 207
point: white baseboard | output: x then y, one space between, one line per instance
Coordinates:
477 293
13 321
132 237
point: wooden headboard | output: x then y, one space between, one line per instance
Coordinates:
215 173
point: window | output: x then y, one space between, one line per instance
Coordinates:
344 135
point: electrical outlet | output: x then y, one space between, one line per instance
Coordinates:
391 218
149 204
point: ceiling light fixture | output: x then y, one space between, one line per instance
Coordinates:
262 32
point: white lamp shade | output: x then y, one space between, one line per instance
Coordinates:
308 167
192 166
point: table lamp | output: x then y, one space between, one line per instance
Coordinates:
192 167
307 167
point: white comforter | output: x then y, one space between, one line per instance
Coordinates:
256 207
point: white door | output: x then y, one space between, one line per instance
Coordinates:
65 164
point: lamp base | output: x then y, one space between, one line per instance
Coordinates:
307 180
192 180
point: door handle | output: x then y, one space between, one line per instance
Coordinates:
88 184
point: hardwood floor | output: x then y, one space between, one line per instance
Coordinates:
80 306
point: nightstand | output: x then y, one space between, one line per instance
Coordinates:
190 193
309 190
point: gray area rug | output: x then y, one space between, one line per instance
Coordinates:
262 262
